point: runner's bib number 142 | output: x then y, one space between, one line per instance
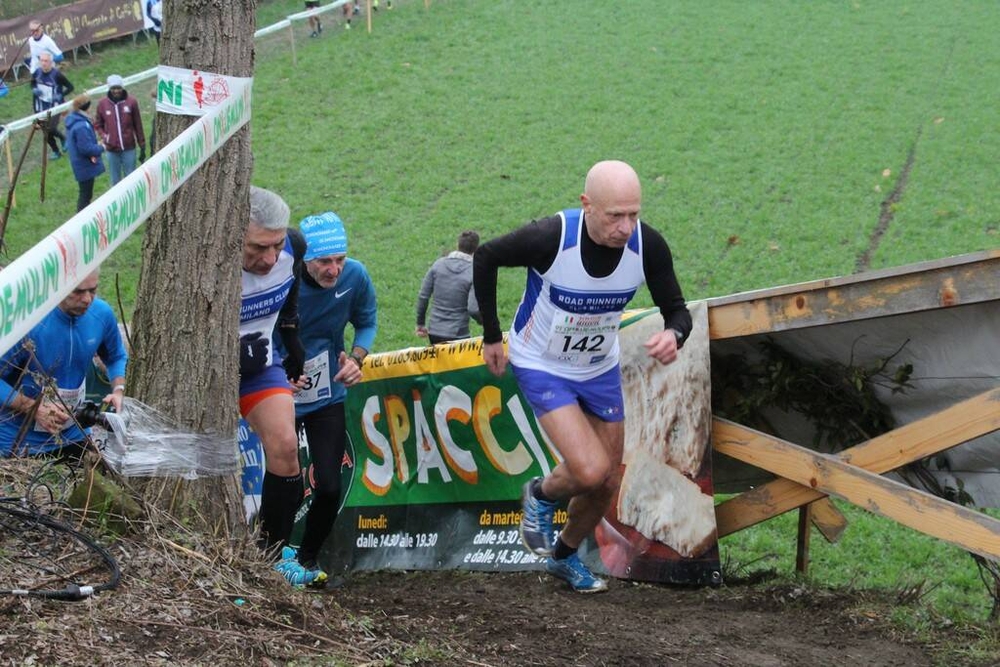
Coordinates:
582 340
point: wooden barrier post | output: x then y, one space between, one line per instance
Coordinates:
10 172
802 547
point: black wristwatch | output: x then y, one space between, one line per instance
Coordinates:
358 359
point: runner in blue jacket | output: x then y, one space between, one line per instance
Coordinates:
334 291
58 350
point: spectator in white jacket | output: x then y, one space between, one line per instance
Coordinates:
38 43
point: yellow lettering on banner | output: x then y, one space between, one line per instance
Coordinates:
428 454
453 404
399 431
486 407
506 518
437 449
485 519
367 523
377 477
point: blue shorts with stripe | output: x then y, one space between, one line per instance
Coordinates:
600 396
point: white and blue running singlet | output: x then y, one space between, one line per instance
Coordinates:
567 322
263 297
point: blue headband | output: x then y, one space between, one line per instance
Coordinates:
324 235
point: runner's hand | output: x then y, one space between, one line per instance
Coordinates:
495 358
662 346
253 353
349 373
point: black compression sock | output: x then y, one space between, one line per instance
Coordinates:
536 491
280 497
561 550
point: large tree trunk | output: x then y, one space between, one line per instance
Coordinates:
187 306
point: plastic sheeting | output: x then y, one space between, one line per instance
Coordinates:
144 442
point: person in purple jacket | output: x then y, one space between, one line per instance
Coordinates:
119 125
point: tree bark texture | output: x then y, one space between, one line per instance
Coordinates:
186 318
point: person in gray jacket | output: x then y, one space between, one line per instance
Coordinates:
448 286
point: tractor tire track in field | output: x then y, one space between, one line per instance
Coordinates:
887 209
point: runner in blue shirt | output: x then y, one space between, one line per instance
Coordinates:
334 291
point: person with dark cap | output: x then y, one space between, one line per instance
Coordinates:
335 291
84 150
447 286
119 125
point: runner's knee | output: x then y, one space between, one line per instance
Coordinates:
593 476
282 455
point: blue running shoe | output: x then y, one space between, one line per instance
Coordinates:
537 533
576 574
296 574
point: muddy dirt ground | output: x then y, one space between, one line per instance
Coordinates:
185 599
175 608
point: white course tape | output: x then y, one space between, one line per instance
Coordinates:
39 279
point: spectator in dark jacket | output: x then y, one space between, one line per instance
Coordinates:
49 88
84 151
119 125
448 284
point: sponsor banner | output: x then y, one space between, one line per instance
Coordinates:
71 26
434 426
39 279
193 92
439 449
252 478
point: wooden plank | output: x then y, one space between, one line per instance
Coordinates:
967 279
952 426
921 511
829 521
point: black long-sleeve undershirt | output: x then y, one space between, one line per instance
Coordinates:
536 245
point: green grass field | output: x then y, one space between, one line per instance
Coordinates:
768 136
